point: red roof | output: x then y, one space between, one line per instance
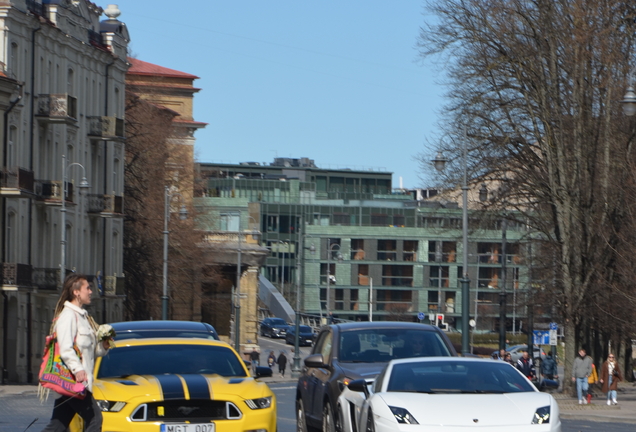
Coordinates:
139 67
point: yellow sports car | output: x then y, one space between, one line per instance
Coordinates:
179 385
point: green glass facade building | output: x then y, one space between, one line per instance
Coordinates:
392 253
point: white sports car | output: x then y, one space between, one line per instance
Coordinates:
452 395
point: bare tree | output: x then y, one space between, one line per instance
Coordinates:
533 89
152 163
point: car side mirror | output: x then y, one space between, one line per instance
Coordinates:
360 386
315 361
263 372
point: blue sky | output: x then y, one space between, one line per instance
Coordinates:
335 81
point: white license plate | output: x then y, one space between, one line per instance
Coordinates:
187 427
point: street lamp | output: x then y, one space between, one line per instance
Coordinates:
295 370
183 214
439 163
339 258
281 275
237 303
82 185
629 102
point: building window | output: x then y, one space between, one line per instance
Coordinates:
357 249
439 251
398 220
387 250
393 300
397 275
379 219
439 276
341 219
409 252
363 274
489 277
230 221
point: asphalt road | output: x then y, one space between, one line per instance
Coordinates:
17 412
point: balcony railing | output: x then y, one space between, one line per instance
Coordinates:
46 278
35 7
61 106
17 178
394 306
16 274
445 257
99 203
397 281
52 190
95 38
495 258
387 255
105 126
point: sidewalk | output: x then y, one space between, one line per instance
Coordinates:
598 410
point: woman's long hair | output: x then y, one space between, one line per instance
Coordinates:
71 283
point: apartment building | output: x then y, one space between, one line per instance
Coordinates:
360 248
62 167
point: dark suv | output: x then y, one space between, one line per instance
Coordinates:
274 327
345 352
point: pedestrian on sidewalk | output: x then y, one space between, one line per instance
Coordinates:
255 358
282 363
610 377
581 371
75 328
271 359
526 366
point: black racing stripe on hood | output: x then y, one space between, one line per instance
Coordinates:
197 386
171 387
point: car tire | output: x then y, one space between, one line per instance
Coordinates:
301 419
328 421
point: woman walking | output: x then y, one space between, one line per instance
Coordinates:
610 376
282 363
74 326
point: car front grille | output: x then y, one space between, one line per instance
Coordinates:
191 410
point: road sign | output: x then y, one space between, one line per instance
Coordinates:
554 326
541 337
553 337
420 316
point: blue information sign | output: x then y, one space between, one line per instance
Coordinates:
541 337
554 326
420 316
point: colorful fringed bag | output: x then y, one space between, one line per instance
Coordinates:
55 375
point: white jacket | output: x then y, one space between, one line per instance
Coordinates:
72 325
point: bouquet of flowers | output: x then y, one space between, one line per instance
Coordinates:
106 332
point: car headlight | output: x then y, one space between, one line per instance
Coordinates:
403 416
542 415
260 403
110 406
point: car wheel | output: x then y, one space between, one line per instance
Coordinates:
301 419
370 424
328 423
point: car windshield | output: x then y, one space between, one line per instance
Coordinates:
277 322
457 377
146 334
382 345
305 329
170 359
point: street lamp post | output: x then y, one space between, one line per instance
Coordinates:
183 214
339 258
300 279
439 163
83 185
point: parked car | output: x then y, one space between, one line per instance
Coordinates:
179 384
306 335
159 328
459 393
274 327
348 351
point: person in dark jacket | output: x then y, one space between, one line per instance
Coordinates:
282 363
271 359
549 368
526 366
